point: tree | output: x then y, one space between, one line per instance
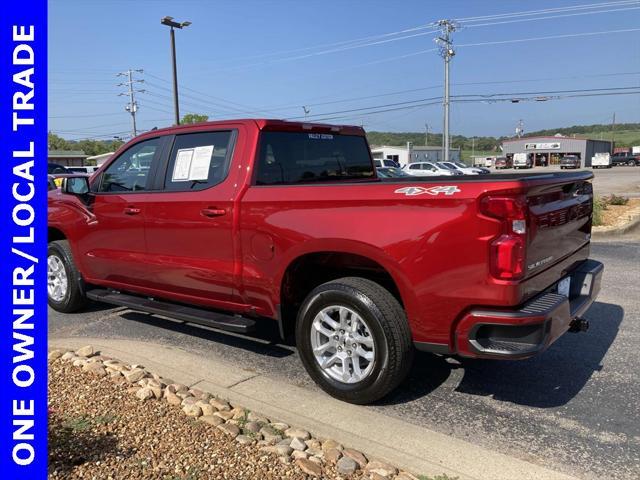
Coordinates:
194 118
54 142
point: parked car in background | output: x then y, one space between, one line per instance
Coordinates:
54 168
502 163
391 172
463 168
303 236
85 169
618 159
386 162
570 161
522 160
58 178
601 160
58 172
424 169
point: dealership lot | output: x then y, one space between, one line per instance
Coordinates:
573 409
619 180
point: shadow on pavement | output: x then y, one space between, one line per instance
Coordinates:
549 380
265 332
553 378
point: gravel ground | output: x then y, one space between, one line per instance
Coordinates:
99 429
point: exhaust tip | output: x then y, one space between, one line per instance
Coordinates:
579 324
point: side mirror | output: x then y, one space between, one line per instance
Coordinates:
76 185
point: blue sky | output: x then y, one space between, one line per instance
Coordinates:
253 58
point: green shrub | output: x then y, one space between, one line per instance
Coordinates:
598 206
614 199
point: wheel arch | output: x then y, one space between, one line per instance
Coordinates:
322 263
55 233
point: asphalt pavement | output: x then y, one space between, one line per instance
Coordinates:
575 408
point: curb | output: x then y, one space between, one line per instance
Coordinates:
607 231
407 446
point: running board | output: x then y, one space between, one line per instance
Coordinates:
200 316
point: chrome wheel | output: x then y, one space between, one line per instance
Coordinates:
342 344
56 278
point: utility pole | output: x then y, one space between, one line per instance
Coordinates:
473 147
132 106
613 127
169 22
447 27
306 110
426 134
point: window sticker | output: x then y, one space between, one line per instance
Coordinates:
182 167
201 162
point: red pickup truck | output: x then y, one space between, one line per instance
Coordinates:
231 223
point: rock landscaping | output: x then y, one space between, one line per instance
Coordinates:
111 420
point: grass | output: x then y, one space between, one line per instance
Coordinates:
620 137
465 155
84 423
598 206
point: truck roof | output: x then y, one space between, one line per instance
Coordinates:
262 124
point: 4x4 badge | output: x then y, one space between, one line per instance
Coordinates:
412 191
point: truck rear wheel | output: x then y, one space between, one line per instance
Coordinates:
63 279
354 339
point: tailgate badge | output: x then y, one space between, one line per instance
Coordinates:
413 191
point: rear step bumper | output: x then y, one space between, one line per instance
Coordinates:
231 323
522 333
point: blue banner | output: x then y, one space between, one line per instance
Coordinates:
23 239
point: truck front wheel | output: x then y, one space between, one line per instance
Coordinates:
63 279
354 339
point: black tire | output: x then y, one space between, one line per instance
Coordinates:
631 163
74 298
389 328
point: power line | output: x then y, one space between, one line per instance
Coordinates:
342 43
548 37
550 17
476 97
547 10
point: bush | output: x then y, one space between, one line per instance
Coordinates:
614 199
598 206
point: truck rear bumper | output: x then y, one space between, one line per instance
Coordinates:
532 328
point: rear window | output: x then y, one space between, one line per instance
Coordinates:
302 157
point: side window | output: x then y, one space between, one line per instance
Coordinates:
198 160
130 171
415 166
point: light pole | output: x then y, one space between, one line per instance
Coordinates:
169 22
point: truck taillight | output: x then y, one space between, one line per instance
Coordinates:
507 251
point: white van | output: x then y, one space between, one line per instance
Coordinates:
601 160
521 160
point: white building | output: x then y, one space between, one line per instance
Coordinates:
412 153
100 159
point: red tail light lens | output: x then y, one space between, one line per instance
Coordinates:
507 257
507 251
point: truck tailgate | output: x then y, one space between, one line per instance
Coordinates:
560 217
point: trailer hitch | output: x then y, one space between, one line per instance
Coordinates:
579 324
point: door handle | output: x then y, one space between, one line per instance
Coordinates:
131 211
213 212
